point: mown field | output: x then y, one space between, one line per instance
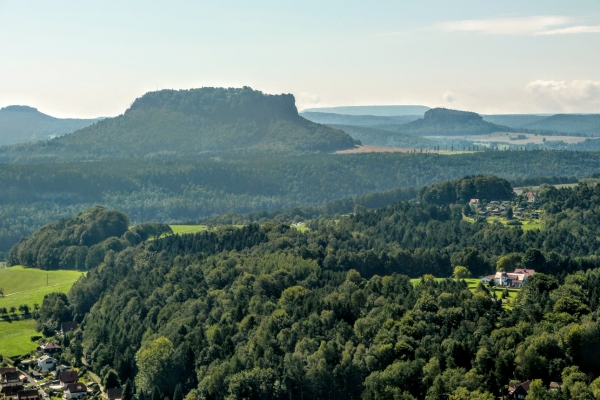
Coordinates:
182 229
27 286
15 337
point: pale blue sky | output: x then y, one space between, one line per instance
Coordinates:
92 58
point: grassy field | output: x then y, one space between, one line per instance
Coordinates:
15 337
181 229
474 282
29 285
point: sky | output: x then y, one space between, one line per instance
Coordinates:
94 58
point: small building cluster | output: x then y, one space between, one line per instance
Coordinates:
514 279
12 385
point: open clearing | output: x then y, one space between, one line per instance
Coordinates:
472 284
514 138
382 149
29 286
15 337
182 229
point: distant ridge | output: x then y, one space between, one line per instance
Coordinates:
587 124
180 123
380 111
446 122
22 124
357 120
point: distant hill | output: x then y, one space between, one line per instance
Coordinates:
386 138
513 120
173 123
568 123
358 120
445 122
22 124
380 111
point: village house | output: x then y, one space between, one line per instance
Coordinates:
10 392
515 279
10 383
114 394
9 376
474 202
518 391
75 391
67 377
46 363
50 347
30 394
531 197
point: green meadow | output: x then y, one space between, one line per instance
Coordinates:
472 284
182 229
29 286
15 337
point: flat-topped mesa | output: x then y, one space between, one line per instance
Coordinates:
221 104
16 108
447 115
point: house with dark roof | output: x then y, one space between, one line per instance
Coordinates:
9 392
31 394
519 391
75 391
50 347
9 376
114 394
67 377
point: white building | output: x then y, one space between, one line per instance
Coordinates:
46 363
508 279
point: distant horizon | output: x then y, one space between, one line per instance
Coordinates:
309 109
84 59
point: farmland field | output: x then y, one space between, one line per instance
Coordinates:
29 285
15 337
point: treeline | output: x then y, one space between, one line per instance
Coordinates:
460 191
270 312
332 209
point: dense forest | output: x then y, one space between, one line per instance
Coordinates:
267 311
179 190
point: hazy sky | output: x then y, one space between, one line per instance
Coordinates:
93 58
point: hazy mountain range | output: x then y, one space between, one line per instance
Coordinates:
22 124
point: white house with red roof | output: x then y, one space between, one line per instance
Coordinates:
509 279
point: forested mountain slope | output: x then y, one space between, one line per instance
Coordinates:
270 312
22 124
175 123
